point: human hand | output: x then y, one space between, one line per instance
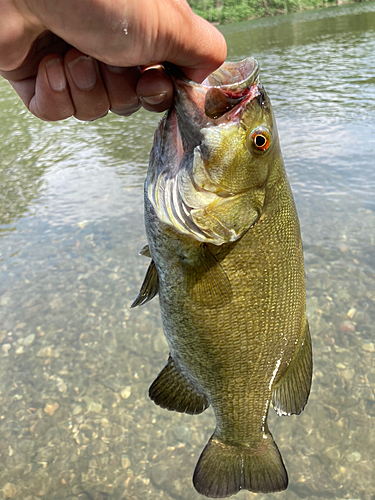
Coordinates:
83 59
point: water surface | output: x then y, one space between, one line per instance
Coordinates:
76 362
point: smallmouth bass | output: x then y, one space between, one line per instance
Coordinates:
227 263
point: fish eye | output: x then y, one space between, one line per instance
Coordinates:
259 140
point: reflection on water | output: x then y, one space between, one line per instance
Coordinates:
76 363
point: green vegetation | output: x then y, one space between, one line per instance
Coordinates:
223 11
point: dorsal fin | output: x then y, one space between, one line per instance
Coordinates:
145 251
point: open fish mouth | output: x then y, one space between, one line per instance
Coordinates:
178 184
221 91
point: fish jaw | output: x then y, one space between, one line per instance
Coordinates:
179 184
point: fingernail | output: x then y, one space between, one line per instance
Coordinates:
56 75
115 69
154 99
128 111
83 72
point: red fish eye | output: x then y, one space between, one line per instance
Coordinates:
259 140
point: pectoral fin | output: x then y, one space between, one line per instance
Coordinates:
206 281
292 391
149 288
172 391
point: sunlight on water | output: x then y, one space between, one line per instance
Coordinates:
76 362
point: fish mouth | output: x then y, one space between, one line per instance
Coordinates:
223 90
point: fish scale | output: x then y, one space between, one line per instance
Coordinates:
233 308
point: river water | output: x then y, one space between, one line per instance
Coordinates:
76 362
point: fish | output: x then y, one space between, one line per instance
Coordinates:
227 265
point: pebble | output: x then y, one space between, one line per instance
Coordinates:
182 433
94 407
3 334
332 453
125 462
354 457
159 342
5 301
347 326
10 490
101 448
5 348
62 387
26 446
50 409
77 410
348 374
351 312
29 339
47 352
126 392
160 474
83 224
369 347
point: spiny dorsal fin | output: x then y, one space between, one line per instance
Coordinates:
145 251
225 469
206 281
149 288
290 394
172 391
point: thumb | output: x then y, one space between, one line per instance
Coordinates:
199 49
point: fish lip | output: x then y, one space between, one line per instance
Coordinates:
248 65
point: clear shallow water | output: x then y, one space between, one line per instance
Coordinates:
76 362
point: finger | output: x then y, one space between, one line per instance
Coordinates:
120 84
47 96
155 90
86 86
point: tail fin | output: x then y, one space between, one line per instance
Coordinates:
223 470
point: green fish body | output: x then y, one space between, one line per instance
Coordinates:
227 263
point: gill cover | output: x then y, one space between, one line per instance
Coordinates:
203 179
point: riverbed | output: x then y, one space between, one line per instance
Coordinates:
76 362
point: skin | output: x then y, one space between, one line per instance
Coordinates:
83 59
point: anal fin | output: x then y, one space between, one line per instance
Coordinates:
172 391
149 288
291 392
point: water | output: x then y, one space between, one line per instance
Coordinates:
76 362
